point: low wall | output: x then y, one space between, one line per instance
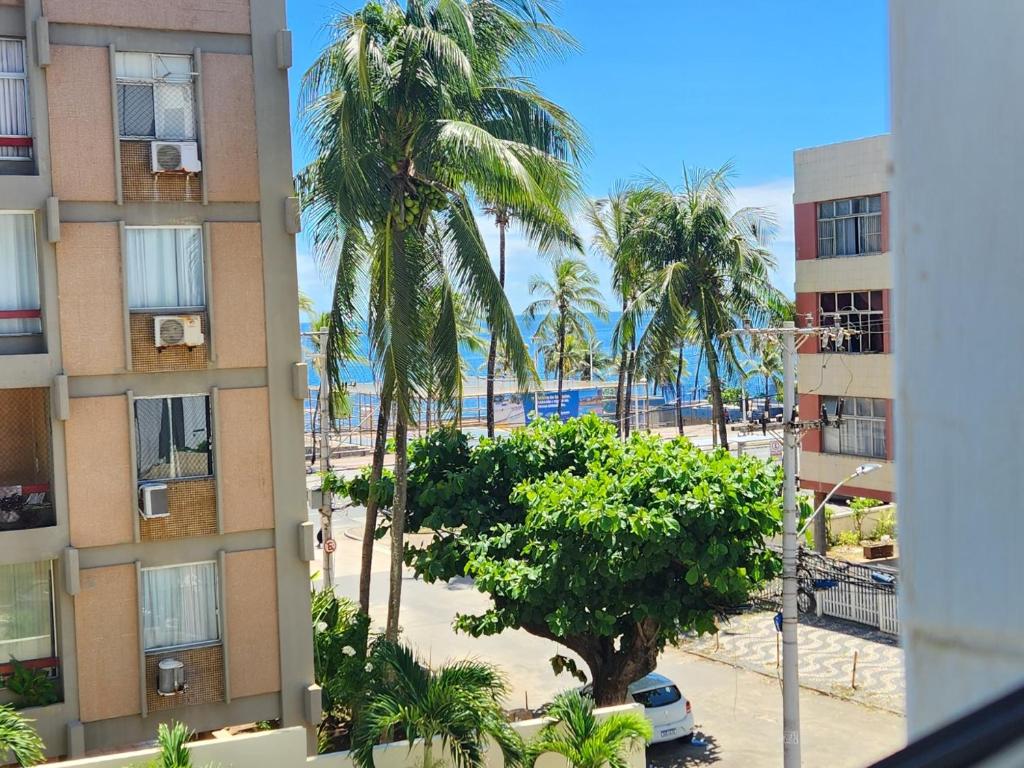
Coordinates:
842 519
286 748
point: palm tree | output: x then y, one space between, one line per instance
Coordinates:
458 705
18 739
769 367
712 267
568 297
408 109
613 220
585 358
584 742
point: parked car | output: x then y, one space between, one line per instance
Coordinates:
665 706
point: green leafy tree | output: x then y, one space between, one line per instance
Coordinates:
611 548
584 742
712 268
411 111
18 739
456 707
567 298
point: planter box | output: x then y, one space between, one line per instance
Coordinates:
876 550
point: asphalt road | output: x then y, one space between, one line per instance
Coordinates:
737 712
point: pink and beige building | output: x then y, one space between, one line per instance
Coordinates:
154 545
844 280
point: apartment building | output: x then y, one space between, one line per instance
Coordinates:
154 549
844 280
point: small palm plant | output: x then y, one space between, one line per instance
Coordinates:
458 705
18 739
172 741
584 742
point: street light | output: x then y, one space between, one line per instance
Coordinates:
863 469
790 558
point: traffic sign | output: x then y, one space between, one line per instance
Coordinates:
776 449
330 545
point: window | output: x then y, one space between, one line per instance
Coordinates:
861 431
850 227
859 311
15 141
658 697
180 606
165 268
26 612
155 97
172 437
19 275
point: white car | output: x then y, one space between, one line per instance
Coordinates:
665 706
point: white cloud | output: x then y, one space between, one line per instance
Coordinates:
776 197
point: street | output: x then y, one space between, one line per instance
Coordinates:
737 711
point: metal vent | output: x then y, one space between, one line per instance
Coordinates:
168 157
172 332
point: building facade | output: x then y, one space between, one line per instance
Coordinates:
844 280
154 549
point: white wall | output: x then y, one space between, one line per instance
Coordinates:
846 169
959 159
286 748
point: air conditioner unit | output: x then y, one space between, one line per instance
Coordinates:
153 501
170 677
175 157
178 330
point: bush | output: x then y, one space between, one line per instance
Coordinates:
848 539
31 687
860 507
886 525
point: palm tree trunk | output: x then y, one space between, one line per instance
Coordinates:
628 394
561 364
492 354
398 526
679 391
373 503
717 406
621 383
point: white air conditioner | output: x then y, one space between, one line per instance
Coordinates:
178 330
175 157
153 501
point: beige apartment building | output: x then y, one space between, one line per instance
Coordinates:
154 549
844 279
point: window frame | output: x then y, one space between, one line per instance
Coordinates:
177 310
856 419
858 218
218 608
52 612
211 461
870 322
152 82
23 76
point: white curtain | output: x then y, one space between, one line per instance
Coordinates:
26 611
19 271
179 605
165 268
13 96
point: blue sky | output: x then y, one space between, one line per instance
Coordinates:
660 83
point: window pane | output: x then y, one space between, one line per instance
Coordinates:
179 605
26 627
826 210
19 271
859 205
12 57
153 439
860 300
172 68
173 437
174 116
875 204
828 302
830 440
876 301
843 207
846 237
165 268
135 110
134 66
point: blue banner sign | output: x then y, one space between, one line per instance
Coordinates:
545 404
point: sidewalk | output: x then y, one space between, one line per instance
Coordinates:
827 648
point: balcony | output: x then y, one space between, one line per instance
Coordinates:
25 460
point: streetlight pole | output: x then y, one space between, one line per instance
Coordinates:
790 556
863 469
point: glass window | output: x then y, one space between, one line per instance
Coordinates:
659 697
165 268
857 311
155 97
26 612
850 227
861 431
19 275
172 437
180 606
14 116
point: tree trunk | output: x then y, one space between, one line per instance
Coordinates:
561 364
492 354
679 392
372 504
628 395
397 527
717 406
619 390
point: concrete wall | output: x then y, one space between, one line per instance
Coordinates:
867 375
958 158
244 461
286 748
847 169
81 120
858 273
820 471
250 580
228 16
230 159
237 295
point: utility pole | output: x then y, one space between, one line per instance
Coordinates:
792 431
326 503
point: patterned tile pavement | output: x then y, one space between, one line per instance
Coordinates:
827 647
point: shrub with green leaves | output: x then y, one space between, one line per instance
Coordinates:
31 687
341 644
612 548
